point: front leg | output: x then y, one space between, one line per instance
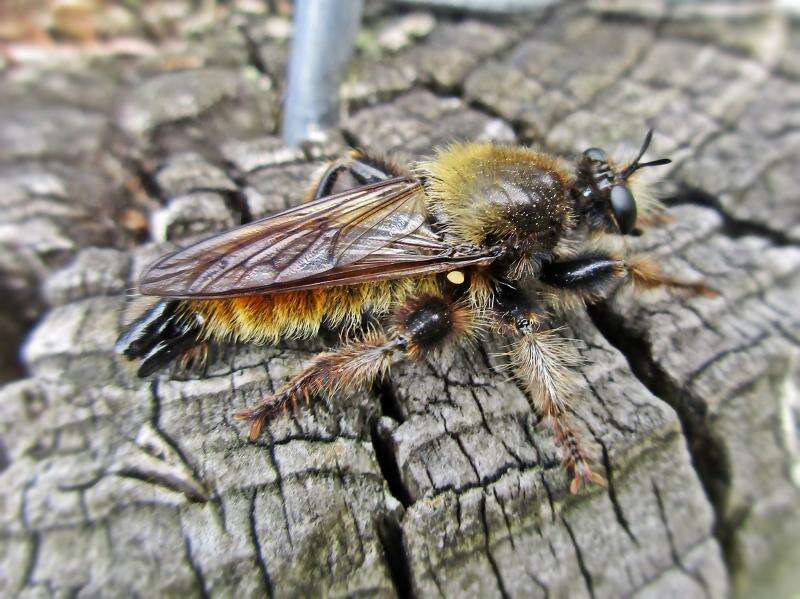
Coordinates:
591 276
544 363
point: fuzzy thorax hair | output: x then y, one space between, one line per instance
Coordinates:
488 194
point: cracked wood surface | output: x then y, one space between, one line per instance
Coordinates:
440 481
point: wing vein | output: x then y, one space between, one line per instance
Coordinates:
373 232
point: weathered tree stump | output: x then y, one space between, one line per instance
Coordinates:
441 481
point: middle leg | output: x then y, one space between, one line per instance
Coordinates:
544 363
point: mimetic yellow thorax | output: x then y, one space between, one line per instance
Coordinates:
486 194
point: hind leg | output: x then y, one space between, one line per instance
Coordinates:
161 335
357 169
353 366
421 324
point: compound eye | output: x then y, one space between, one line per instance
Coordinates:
596 154
624 207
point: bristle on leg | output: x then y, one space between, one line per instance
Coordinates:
543 362
644 273
354 365
431 321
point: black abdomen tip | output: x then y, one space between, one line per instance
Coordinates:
160 335
144 332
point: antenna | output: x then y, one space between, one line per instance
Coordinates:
634 166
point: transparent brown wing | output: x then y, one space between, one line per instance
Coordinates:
369 233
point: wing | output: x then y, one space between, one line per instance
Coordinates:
369 233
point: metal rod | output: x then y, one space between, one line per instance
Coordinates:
324 37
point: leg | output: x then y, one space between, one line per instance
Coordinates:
592 276
357 169
587 278
162 334
419 325
354 365
544 364
645 274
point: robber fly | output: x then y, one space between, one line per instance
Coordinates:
481 234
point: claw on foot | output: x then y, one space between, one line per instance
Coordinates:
695 289
583 475
268 408
257 420
256 428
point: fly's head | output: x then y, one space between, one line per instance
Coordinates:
602 191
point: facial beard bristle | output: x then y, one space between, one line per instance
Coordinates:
644 190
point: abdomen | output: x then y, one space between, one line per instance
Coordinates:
300 314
